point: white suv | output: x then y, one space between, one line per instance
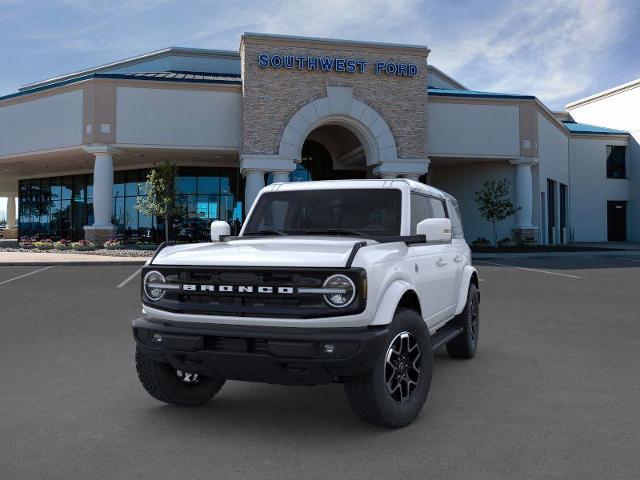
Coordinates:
353 281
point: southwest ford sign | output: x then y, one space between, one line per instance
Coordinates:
334 64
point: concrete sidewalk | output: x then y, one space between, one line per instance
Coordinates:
34 259
635 254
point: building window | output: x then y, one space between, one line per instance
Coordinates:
54 207
59 207
206 194
616 161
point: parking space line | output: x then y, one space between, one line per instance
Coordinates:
481 279
129 278
529 269
25 275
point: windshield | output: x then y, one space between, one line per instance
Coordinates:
359 212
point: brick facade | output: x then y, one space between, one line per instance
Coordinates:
272 96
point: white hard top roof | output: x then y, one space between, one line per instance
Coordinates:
347 184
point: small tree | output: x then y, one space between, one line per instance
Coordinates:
161 200
494 203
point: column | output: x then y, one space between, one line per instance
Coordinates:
102 228
410 168
11 211
253 167
102 190
11 232
280 176
524 198
254 183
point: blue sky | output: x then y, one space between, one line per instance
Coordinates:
557 50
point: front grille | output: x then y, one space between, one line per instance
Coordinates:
254 304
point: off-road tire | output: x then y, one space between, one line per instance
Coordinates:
465 344
368 394
161 381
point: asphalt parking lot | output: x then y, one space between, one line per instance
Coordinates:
554 391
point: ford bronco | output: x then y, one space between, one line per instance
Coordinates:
348 281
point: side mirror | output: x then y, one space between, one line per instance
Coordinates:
219 229
435 229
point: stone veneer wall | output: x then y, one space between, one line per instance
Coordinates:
272 96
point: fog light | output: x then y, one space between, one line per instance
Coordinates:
157 338
329 348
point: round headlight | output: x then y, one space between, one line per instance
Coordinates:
151 281
344 291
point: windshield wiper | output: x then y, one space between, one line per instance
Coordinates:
337 231
266 232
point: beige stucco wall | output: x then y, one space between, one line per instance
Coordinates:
49 122
460 129
178 117
272 96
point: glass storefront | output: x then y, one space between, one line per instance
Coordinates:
55 207
59 207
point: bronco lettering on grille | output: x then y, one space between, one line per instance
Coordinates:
237 289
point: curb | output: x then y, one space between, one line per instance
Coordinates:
617 253
72 264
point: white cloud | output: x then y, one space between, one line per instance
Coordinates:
548 48
544 47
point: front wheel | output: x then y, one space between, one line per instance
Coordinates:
165 383
393 393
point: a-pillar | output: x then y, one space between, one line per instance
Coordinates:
102 228
524 229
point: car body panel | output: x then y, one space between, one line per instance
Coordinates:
439 273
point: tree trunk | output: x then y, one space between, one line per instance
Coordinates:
166 228
495 235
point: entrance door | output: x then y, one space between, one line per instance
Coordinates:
617 221
331 152
551 211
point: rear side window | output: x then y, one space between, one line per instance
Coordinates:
419 210
438 209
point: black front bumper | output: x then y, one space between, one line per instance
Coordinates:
289 356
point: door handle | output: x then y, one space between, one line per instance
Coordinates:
458 258
441 262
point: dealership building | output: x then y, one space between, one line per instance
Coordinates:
75 149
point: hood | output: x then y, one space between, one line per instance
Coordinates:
286 251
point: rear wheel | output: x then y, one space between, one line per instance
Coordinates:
465 344
393 393
165 383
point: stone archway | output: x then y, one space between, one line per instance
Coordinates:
339 107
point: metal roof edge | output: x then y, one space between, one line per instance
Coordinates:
337 41
131 61
476 94
447 77
605 93
124 76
